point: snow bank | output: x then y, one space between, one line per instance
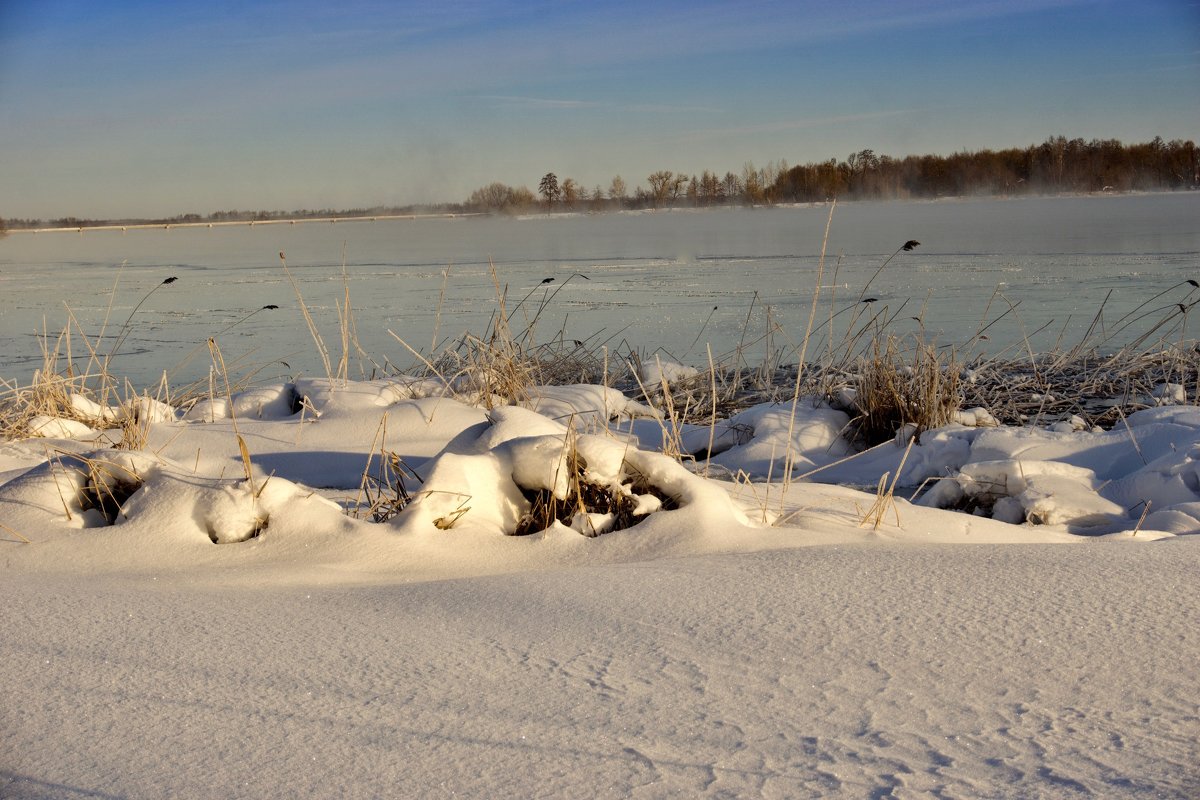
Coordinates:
476 475
167 598
486 488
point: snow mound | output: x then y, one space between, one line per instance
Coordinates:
147 497
1147 472
756 441
1039 492
58 428
593 405
523 459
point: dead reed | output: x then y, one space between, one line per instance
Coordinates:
886 380
591 508
897 387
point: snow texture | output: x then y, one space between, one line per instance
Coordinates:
1017 625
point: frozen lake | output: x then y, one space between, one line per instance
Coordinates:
652 278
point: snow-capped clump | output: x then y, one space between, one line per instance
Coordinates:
267 402
264 402
758 440
312 396
1071 424
86 408
232 514
237 511
1169 394
591 404
1040 492
150 498
1170 480
938 452
493 485
1082 480
1008 509
976 418
208 410
515 470
84 490
845 398
654 372
319 394
147 409
57 428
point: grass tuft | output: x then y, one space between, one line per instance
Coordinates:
621 507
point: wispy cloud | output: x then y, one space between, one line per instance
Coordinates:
518 101
660 108
789 125
514 101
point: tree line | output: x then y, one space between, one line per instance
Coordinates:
1058 165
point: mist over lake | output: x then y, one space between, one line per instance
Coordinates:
647 281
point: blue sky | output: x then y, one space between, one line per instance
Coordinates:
153 108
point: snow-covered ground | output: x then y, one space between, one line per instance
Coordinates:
863 670
176 628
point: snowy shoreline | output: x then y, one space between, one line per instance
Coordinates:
747 638
404 465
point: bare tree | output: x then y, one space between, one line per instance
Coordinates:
548 187
731 186
617 190
660 184
677 186
570 192
710 188
499 197
752 185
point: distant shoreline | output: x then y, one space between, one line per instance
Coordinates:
566 213
248 223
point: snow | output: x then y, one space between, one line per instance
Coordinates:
854 671
1017 624
659 370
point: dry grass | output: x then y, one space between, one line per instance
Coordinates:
75 382
58 391
98 484
899 382
1096 387
585 497
503 365
108 486
313 330
383 493
885 494
897 387
906 379
135 426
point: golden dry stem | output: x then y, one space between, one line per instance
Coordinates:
885 495
586 497
896 388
